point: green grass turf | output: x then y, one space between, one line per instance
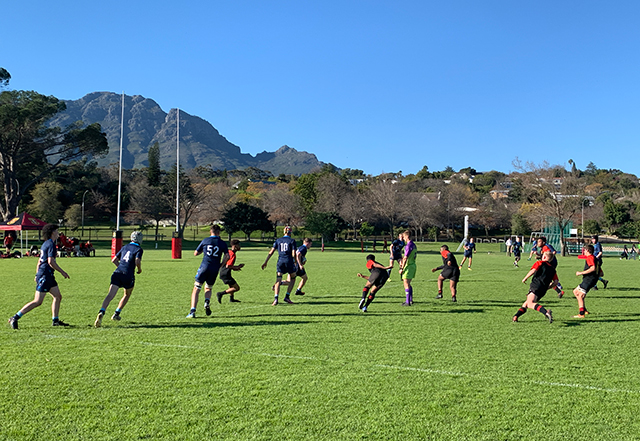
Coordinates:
320 369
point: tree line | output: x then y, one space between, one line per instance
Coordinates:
49 172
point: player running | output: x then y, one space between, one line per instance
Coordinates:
517 251
301 260
126 260
597 254
376 280
544 276
542 247
213 249
469 249
450 270
589 279
286 247
45 279
228 265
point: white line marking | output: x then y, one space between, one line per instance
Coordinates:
542 383
167 346
430 371
281 356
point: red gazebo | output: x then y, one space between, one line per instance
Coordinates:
23 221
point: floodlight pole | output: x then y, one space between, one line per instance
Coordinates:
83 195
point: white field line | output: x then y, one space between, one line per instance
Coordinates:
386 366
542 383
281 356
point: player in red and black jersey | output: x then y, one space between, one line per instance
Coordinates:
542 247
450 270
228 265
590 276
544 277
376 280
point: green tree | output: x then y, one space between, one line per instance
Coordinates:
246 218
306 189
325 224
519 225
153 173
591 226
30 150
73 216
616 214
46 204
4 77
366 229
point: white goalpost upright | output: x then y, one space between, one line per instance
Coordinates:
466 233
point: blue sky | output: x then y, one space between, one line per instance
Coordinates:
379 86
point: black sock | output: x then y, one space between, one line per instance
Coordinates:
369 299
540 309
521 311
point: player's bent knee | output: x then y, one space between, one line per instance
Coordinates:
197 285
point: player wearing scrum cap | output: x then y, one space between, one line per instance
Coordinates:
127 260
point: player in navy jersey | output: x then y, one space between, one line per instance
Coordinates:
469 249
301 260
517 251
597 254
45 279
127 260
213 249
396 252
286 247
544 276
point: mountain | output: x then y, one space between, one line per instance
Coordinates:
200 143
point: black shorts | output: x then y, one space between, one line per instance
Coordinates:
301 272
227 277
378 278
121 280
587 284
451 273
539 292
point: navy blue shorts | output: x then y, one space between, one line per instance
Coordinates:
207 275
301 272
286 267
44 283
121 280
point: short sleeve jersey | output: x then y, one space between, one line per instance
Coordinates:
371 267
283 246
448 257
543 276
471 246
302 250
516 247
48 250
410 252
597 249
396 247
228 263
588 263
128 255
213 249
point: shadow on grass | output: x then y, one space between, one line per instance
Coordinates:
200 323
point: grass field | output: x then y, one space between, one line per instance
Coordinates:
321 369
